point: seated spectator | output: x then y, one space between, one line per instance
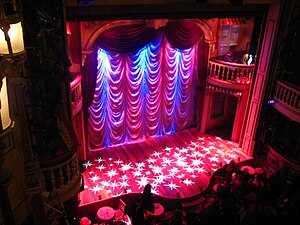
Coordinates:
230 169
138 218
230 54
147 199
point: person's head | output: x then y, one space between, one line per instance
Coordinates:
233 176
147 188
246 171
232 162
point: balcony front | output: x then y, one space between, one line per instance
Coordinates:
229 84
59 171
60 179
287 100
229 75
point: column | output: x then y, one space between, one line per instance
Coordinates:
6 209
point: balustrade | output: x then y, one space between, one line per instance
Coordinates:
288 94
230 72
61 177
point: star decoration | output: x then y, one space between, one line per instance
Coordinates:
95 189
174 170
126 167
166 169
124 177
87 164
188 182
195 144
157 154
124 183
119 162
214 159
113 185
112 173
141 164
196 162
151 160
167 161
157 170
105 183
172 186
142 182
201 170
99 160
183 150
190 169
168 149
101 167
137 173
94 178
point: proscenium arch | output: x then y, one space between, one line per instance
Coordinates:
207 50
88 47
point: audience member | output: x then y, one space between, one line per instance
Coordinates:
138 217
230 54
230 169
147 199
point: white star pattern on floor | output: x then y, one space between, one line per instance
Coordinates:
170 168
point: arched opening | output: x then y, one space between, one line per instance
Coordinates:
172 116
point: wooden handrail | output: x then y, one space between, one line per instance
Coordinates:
216 60
75 82
289 86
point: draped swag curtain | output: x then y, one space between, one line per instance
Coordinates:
140 82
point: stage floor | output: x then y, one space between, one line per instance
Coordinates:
175 165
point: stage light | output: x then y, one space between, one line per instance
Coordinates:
270 102
85 3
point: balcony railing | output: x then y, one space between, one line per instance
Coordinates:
76 94
288 94
230 72
61 176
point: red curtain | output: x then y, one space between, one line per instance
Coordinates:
131 103
130 38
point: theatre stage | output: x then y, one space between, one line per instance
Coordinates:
176 165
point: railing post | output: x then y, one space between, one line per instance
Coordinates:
52 180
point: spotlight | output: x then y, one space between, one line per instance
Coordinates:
85 3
